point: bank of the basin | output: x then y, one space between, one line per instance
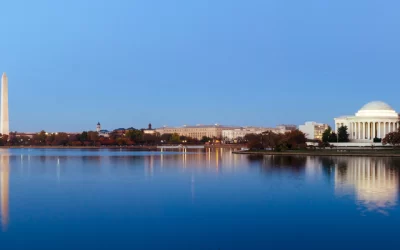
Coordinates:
139 148
375 153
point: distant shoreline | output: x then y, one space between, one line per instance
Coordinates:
80 147
367 153
139 148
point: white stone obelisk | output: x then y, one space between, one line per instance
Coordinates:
5 123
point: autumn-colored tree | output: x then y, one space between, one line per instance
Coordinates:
121 141
255 145
61 139
24 140
252 137
106 141
3 139
129 142
76 143
392 138
151 138
50 138
40 138
271 140
294 139
12 139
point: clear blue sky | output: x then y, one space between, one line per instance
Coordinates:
241 62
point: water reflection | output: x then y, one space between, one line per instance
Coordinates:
4 186
292 164
374 182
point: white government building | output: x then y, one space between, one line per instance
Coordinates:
374 120
313 130
236 133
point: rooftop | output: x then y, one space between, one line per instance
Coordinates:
203 126
377 105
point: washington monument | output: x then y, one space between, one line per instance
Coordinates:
5 123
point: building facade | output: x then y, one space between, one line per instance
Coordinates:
149 130
313 130
239 133
102 132
198 131
374 120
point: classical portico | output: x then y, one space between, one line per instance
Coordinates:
374 120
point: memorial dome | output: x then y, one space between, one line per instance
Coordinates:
377 109
377 105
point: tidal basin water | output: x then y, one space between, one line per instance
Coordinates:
206 199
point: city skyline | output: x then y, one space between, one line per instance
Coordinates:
227 62
5 117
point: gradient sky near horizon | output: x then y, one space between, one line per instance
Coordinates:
257 62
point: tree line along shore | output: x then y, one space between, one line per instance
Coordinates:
268 141
130 137
296 143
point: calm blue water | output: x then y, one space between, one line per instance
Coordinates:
100 199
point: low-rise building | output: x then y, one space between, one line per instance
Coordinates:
149 130
313 130
102 132
32 134
287 127
198 131
232 135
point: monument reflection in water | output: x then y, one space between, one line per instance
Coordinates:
4 187
372 180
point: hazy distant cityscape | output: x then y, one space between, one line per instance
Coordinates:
370 124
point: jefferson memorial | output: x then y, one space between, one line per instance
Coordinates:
374 120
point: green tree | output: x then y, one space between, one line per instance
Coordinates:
134 135
333 137
93 137
166 137
326 134
175 138
83 136
329 136
205 139
343 136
